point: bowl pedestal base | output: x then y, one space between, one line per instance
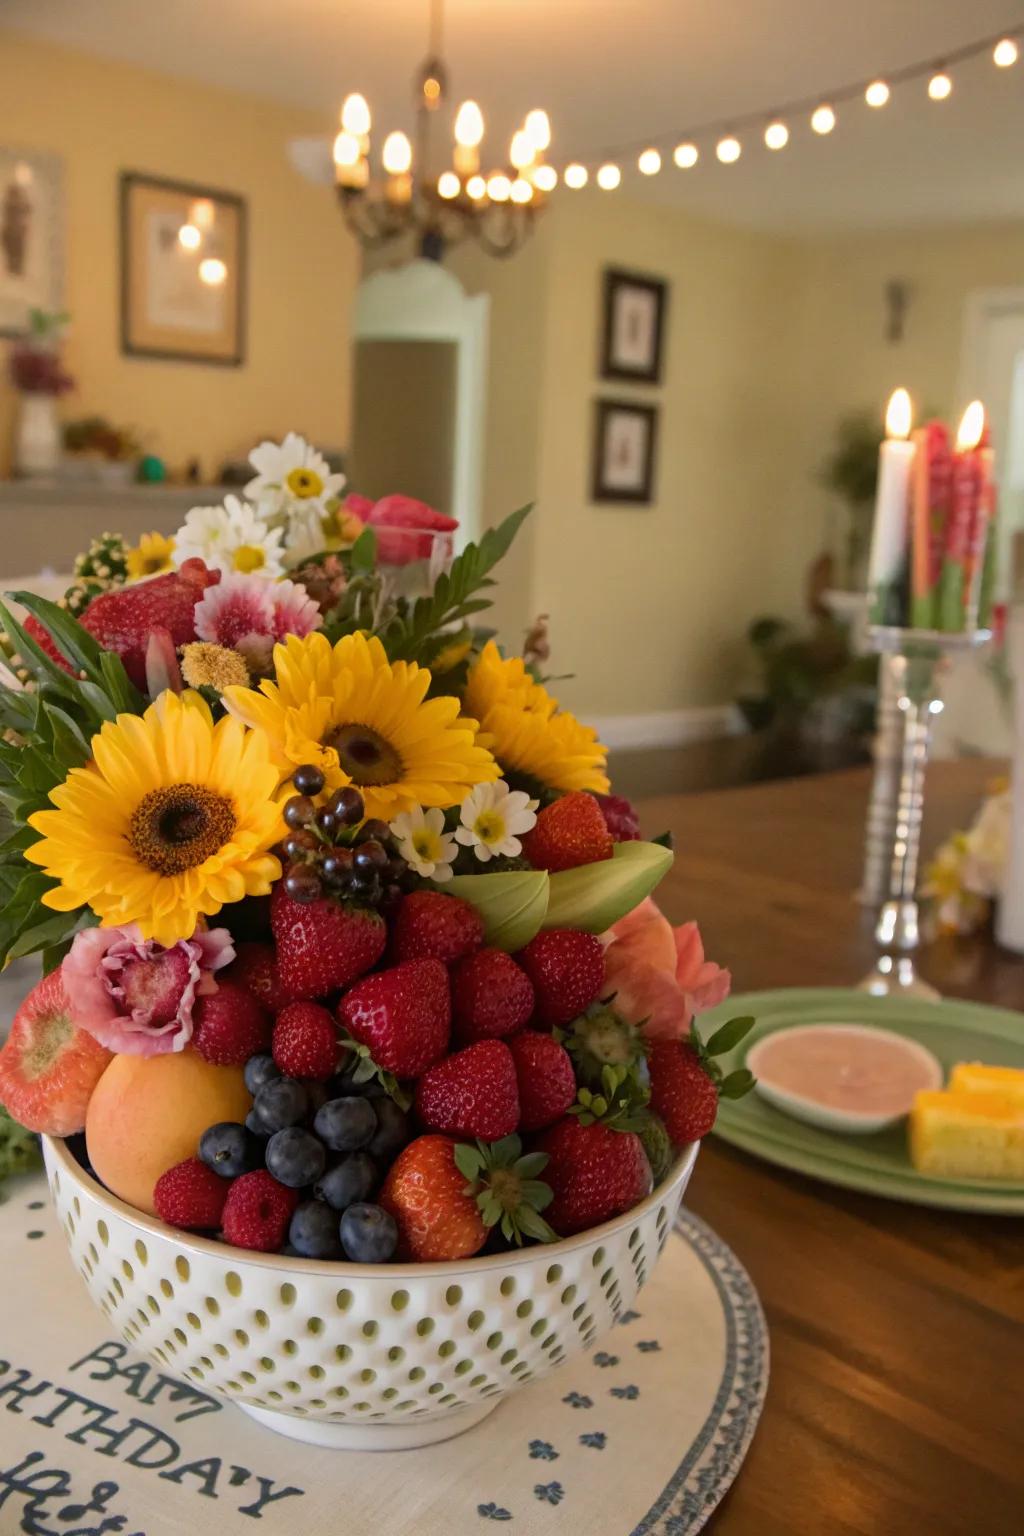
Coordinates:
372 1436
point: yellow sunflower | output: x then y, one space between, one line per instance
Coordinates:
366 721
173 817
522 725
150 557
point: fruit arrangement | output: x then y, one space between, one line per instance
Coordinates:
349 952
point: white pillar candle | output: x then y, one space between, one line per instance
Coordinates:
889 541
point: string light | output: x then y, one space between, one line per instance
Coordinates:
212 271
823 119
940 86
728 150
877 94
776 135
686 156
608 177
575 176
499 188
189 238
448 185
649 163
1005 53
545 178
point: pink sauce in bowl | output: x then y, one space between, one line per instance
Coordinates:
842 1077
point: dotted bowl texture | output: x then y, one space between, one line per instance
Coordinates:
355 1344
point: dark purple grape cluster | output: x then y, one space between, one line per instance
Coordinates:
331 849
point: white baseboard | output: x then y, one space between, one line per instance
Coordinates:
670 727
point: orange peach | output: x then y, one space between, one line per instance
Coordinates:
148 1112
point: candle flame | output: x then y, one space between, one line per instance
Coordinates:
899 414
972 425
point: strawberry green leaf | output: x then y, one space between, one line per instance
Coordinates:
468 1160
736 1084
729 1035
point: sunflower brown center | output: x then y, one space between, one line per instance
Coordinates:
179 826
365 755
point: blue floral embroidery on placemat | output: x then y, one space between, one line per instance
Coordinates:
603 1358
541 1450
628 1394
648 1346
549 1493
629 1317
493 1512
578 1400
596 1439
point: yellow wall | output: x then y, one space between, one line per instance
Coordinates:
102 118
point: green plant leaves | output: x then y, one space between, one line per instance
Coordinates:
512 903
595 896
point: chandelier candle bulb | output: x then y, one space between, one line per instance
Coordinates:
965 507
538 129
499 188
448 185
545 178
889 535
930 492
522 191
608 177
521 150
575 176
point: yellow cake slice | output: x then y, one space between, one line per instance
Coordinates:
958 1135
973 1077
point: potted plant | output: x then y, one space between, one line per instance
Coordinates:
39 376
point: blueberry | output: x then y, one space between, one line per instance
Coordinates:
255 1124
230 1150
313 1232
392 1131
345 1124
351 1180
294 1157
281 1102
368 1234
260 1070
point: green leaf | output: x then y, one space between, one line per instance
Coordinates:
468 1161
531 1224
729 1035
75 644
53 930
531 1164
512 904
737 1084
121 691
363 554
70 747
594 896
42 667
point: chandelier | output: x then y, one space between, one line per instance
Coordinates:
440 190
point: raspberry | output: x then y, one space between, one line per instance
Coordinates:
491 996
257 1212
230 1026
305 1042
620 818
191 1195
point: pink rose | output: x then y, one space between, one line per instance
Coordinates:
136 997
407 529
359 506
659 974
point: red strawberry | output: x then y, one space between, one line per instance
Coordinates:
254 969
305 1041
547 1083
257 1211
426 1194
620 818
569 832
323 945
472 1093
45 641
123 619
491 996
49 1066
567 971
682 1093
229 1026
594 1171
191 1195
402 1015
431 925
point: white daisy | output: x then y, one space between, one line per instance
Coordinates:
303 532
492 816
232 537
290 472
424 844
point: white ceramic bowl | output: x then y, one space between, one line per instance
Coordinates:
357 1356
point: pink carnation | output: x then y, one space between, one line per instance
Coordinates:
659 974
250 614
135 996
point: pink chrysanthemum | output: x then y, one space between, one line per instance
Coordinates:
294 611
250 614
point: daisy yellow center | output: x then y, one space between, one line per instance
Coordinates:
249 557
365 755
427 845
489 826
304 483
179 826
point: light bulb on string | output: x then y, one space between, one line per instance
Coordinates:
608 177
212 271
940 86
728 150
537 128
575 176
649 163
877 93
686 156
189 237
355 115
1005 53
823 118
776 135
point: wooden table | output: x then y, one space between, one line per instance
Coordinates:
896 1400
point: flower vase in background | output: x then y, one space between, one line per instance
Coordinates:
39 376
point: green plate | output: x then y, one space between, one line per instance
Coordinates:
879 1165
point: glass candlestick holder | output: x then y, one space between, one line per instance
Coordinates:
912 664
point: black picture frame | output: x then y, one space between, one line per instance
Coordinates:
602 490
233 204
623 287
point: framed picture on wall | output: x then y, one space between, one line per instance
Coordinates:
31 237
634 325
183 278
625 440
